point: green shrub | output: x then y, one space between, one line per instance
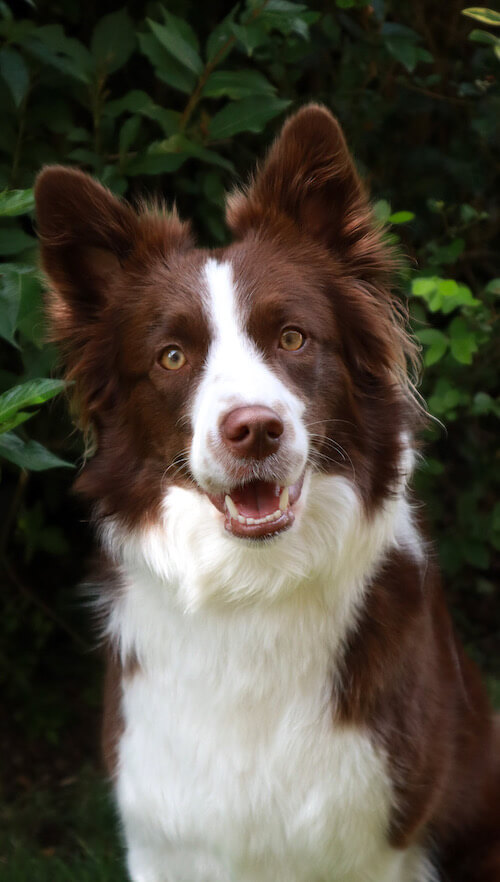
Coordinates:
178 99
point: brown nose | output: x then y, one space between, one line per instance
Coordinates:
252 432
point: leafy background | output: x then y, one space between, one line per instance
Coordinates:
179 98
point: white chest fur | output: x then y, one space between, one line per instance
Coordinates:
230 747
231 765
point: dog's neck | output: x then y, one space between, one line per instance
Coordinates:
186 563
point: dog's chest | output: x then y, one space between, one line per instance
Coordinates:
230 743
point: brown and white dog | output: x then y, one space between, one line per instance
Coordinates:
286 700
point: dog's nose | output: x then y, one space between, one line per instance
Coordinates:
252 432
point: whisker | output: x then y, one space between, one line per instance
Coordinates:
177 464
333 445
322 422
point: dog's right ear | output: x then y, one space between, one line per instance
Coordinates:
89 241
85 236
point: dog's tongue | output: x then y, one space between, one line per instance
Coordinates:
256 499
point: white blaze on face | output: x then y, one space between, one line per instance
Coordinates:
236 375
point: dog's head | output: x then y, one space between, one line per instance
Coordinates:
239 372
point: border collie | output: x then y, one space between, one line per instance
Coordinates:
286 700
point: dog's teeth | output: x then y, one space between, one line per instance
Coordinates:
284 499
233 511
251 522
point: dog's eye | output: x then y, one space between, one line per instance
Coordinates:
172 358
291 339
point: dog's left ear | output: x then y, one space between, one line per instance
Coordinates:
309 178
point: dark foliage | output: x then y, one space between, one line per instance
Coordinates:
177 99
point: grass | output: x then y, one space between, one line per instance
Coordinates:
65 834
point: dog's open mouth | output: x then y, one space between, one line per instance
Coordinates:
258 508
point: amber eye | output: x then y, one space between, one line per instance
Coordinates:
172 358
291 339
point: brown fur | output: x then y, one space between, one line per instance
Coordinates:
307 249
407 678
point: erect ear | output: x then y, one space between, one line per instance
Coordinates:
89 239
85 234
309 178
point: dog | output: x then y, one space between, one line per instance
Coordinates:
285 699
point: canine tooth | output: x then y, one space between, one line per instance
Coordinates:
241 519
233 511
284 499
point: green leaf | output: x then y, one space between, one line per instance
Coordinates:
237 84
155 164
137 101
221 40
401 217
382 210
10 298
13 240
285 7
493 287
424 287
29 454
172 40
404 51
67 55
181 26
180 146
448 253
484 37
392 29
462 296
16 420
468 213
14 202
5 11
462 341
425 56
447 287
84 156
27 394
113 40
436 344
286 17
167 68
128 134
247 115
483 403
482 13
251 36
15 73
211 157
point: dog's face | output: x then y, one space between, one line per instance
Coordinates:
235 372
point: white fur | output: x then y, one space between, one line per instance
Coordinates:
232 765
236 375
